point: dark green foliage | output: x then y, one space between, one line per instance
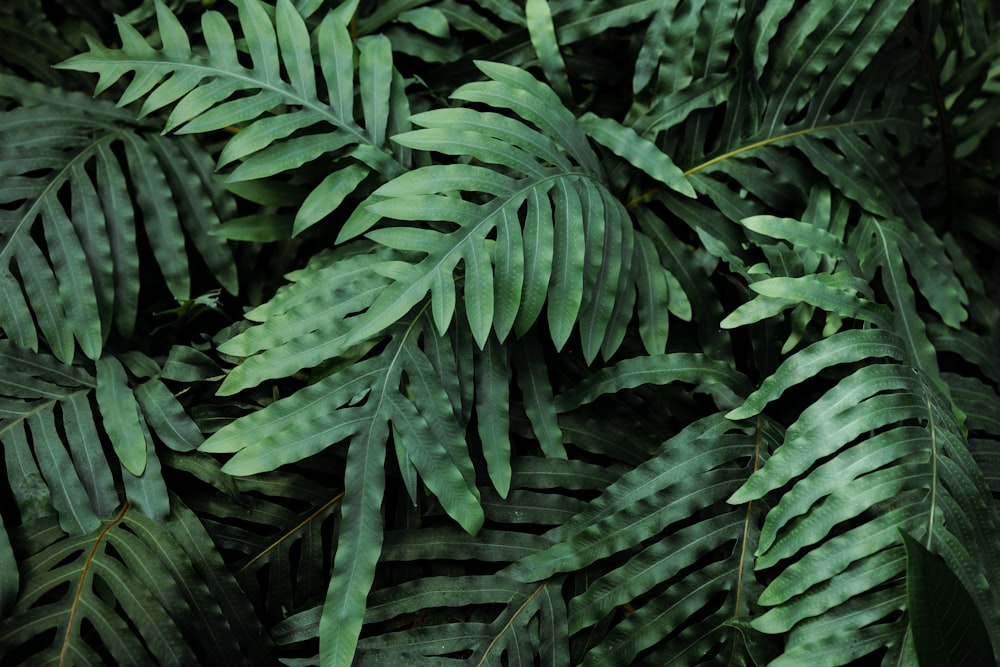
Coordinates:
494 333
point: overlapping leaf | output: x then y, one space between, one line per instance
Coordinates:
275 530
430 617
671 570
762 155
891 450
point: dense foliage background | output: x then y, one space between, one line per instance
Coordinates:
439 332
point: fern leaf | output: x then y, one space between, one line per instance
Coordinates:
886 245
121 415
901 468
215 90
711 376
543 258
538 18
358 546
539 401
64 414
934 617
166 416
278 435
845 347
89 231
304 324
625 516
529 619
10 580
492 413
642 154
158 596
68 494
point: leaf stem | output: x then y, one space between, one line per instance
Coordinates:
510 622
83 578
291 532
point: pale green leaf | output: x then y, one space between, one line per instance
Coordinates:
358 546
292 34
843 348
566 285
336 53
166 416
328 196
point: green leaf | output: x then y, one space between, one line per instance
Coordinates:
159 602
567 263
9 577
845 347
492 413
538 17
375 77
167 417
358 548
120 415
328 196
69 497
946 626
539 403
640 153
711 376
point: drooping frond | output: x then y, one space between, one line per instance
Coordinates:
891 449
548 234
80 184
215 90
63 427
399 386
169 604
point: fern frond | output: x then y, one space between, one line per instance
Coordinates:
70 164
213 90
272 527
428 618
358 403
674 568
56 419
161 597
920 477
549 231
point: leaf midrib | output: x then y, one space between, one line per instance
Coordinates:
55 182
286 90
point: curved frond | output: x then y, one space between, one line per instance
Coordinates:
79 186
214 90
549 231
164 595
63 428
670 570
